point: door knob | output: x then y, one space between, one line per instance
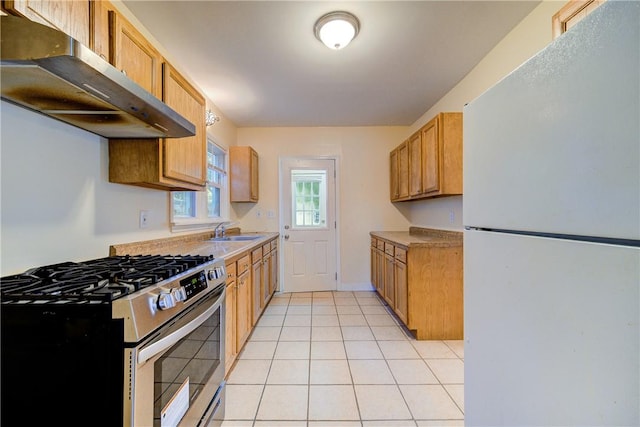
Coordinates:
286 227
286 237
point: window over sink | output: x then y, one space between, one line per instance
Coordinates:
199 209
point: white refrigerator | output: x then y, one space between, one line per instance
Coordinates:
551 211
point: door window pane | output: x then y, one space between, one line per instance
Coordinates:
309 193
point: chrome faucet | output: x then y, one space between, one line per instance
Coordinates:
219 232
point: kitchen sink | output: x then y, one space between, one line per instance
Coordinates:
239 238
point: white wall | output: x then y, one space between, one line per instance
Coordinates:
363 193
531 35
57 202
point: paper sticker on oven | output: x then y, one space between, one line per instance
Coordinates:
175 409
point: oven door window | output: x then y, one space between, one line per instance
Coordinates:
193 361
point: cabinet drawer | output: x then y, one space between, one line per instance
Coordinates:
374 242
243 264
266 248
231 272
401 255
256 255
381 245
389 249
274 245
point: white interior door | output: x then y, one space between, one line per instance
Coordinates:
308 224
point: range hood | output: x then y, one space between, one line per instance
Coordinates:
45 70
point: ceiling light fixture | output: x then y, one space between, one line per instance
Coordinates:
336 29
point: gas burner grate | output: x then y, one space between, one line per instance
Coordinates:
94 281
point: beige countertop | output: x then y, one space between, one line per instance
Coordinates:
421 237
192 244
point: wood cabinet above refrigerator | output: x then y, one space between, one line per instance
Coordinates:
429 163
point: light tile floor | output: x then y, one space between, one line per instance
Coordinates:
334 359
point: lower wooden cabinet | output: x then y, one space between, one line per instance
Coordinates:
230 347
252 278
273 268
402 292
257 281
389 280
237 309
423 285
264 276
243 310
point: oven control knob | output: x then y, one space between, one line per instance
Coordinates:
216 273
179 294
166 301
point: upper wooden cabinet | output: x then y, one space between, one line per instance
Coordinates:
403 170
434 159
71 17
415 164
243 163
171 163
119 42
571 13
393 179
132 54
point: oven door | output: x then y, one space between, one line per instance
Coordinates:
182 367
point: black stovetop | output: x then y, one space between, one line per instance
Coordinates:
96 281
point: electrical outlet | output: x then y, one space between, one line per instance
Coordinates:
271 213
452 216
144 219
258 213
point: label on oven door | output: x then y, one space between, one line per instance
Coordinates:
175 409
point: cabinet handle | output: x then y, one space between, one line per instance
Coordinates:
123 71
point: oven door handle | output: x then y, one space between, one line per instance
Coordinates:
169 340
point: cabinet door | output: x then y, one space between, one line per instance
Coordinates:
243 309
380 271
393 175
374 277
389 280
401 291
430 157
254 176
230 326
71 17
256 278
131 53
415 164
403 170
244 182
266 277
273 268
185 158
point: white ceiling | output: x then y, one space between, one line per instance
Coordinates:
261 64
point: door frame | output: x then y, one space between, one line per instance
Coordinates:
282 207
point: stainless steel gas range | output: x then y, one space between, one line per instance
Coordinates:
117 341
